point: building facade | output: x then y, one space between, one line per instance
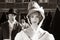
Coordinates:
21 5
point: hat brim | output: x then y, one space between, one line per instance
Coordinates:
11 13
34 10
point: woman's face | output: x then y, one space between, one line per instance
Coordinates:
35 17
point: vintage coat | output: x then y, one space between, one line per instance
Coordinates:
5 30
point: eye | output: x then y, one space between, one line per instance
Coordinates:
31 16
37 16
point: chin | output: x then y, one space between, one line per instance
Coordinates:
34 23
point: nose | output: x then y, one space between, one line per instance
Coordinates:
35 18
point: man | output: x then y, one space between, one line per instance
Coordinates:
11 27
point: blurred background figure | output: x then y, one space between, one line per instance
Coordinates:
24 24
11 27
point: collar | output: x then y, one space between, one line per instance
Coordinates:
12 22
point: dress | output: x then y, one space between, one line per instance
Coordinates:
29 34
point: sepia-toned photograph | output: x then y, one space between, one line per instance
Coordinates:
29 19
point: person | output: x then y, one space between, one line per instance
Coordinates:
24 24
11 27
35 18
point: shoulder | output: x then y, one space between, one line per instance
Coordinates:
52 37
20 35
49 36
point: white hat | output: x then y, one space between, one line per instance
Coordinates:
33 6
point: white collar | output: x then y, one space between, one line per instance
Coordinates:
11 25
12 22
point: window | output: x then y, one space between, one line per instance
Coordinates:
10 1
43 1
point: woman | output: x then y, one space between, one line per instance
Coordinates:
35 18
